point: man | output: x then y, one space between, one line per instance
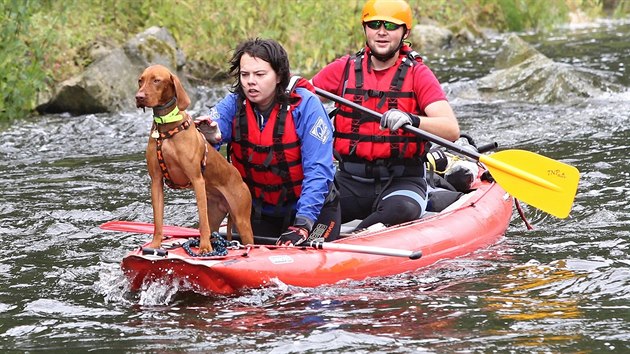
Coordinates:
281 142
381 172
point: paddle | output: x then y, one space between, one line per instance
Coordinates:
537 180
147 228
173 231
380 251
180 231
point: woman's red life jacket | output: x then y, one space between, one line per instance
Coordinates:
270 161
357 135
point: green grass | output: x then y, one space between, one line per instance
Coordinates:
45 42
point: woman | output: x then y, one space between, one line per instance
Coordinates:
281 142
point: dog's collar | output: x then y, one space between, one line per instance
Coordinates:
169 118
167 104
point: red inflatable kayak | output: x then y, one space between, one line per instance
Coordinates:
477 220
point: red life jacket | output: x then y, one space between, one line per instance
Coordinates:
270 161
357 135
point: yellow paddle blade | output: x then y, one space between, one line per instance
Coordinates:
539 181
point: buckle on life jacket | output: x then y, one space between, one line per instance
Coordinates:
379 138
374 93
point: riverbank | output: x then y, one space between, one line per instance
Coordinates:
46 43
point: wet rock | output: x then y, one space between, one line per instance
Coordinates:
201 73
155 46
524 74
427 38
515 51
102 87
109 83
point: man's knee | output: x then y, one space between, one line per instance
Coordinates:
399 209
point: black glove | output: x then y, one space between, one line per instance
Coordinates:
394 119
293 236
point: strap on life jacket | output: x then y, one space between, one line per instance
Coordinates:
394 88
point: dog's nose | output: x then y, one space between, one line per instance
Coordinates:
140 98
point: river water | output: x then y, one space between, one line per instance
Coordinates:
562 287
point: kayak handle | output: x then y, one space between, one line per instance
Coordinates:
154 251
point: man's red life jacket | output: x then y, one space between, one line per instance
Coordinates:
357 135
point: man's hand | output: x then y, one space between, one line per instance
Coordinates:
395 118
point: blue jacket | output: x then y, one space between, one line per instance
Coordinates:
315 131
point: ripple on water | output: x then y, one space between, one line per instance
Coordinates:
47 307
333 341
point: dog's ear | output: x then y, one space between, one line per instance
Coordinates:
182 97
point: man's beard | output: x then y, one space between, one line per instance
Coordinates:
386 57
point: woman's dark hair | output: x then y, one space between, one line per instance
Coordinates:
269 51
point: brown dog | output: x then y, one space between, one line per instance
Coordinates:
178 155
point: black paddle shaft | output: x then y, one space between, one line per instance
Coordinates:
407 127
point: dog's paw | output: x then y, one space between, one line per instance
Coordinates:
205 246
209 129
